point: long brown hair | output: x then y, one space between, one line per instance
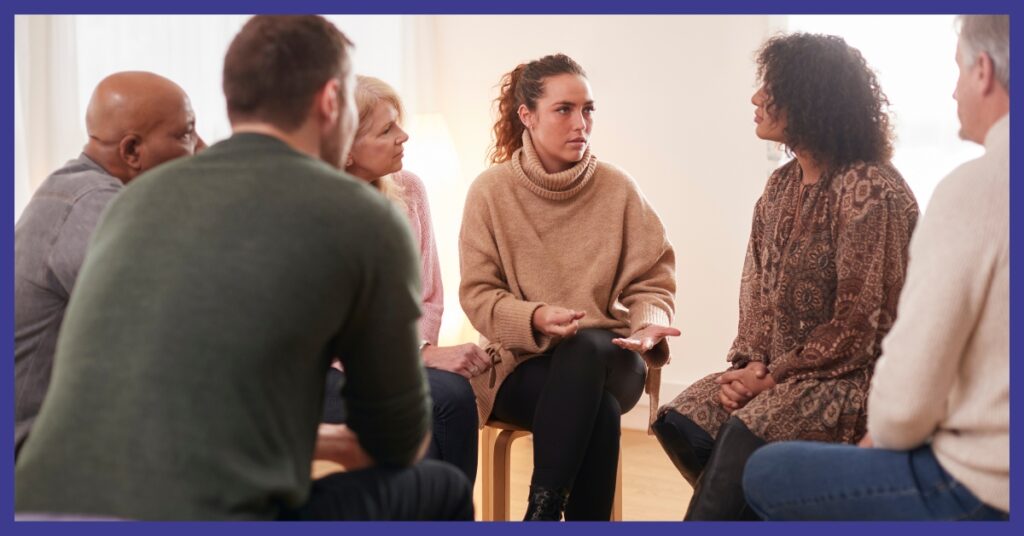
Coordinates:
524 85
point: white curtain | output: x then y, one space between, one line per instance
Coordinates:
47 129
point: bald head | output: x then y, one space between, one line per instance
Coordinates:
138 120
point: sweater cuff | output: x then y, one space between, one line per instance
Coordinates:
513 326
642 315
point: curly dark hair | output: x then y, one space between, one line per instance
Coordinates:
835 110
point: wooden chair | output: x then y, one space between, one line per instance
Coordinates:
496 445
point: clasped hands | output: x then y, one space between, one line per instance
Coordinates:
466 360
740 386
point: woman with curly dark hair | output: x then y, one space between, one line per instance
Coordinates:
823 272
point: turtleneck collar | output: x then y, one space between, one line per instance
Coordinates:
555 186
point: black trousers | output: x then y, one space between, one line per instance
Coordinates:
572 399
455 433
428 491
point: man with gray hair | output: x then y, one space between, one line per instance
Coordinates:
938 442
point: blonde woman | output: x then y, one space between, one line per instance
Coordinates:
376 157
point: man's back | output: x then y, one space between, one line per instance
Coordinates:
50 242
189 377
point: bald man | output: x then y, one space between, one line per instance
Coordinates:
135 121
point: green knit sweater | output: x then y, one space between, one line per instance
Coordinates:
189 375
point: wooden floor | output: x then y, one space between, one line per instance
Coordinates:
652 488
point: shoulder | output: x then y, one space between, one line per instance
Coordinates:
781 175
77 180
777 181
864 184
409 181
610 176
874 175
985 176
495 178
977 190
411 189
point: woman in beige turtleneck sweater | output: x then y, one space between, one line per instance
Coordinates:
567 272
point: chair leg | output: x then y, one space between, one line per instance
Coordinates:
501 469
617 504
487 461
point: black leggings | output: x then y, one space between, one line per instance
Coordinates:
572 399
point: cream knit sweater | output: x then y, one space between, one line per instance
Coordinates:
584 238
944 374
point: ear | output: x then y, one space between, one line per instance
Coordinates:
328 101
525 116
986 76
130 151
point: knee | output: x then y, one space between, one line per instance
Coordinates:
663 430
674 429
451 393
762 471
450 485
587 346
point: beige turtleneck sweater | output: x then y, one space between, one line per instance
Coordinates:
584 238
944 374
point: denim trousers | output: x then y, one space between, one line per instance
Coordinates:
455 433
802 480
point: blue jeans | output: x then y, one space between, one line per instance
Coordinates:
801 480
454 438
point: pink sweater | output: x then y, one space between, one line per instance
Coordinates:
417 207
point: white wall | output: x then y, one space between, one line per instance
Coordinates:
673 109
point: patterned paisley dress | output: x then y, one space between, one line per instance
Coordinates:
821 281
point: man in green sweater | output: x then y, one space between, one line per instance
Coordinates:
189 375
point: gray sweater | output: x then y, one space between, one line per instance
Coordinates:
50 242
189 376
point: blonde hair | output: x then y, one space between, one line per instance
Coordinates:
369 93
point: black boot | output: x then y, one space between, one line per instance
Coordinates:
718 495
546 504
685 443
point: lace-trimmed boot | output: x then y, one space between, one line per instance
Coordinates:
546 504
